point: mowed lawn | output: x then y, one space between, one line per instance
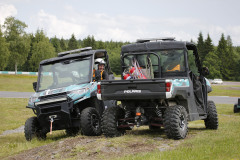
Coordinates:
199 144
225 90
221 144
13 113
17 83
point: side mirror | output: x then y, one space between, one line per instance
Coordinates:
205 71
97 75
34 86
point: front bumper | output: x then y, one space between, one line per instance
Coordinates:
58 107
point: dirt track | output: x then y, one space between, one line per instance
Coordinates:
83 147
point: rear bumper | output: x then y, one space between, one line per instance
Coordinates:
134 96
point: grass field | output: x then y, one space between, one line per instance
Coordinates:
13 113
17 83
222 144
200 143
225 90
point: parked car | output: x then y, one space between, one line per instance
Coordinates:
217 81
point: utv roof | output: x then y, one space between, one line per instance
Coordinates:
156 45
67 55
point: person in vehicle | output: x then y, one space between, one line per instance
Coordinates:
173 62
101 70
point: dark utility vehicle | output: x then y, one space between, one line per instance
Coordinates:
236 107
163 85
66 95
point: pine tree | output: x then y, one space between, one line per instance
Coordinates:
208 47
89 42
200 46
56 44
232 58
63 45
100 45
72 44
223 57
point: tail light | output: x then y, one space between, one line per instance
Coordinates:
168 86
99 88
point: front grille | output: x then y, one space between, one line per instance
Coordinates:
48 108
51 103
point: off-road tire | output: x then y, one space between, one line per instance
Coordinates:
90 122
175 122
235 109
211 122
72 131
32 129
110 122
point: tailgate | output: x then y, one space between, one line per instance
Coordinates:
133 89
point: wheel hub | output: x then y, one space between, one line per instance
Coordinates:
95 121
182 122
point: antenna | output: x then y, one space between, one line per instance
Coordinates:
61 54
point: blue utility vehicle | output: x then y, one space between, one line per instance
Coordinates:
66 95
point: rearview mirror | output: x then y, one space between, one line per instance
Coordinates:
34 86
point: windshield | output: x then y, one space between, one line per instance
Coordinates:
64 73
151 63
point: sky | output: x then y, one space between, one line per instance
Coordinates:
128 20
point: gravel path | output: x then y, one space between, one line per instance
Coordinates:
6 94
17 130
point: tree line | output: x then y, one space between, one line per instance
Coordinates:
223 60
23 51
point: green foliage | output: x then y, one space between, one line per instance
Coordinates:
72 44
19 43
13 28
100 45
114 59
191 63
208 47
225 54
90 42
41 49
213 63
223 61
27 50
4 52
63 45
200 46
56 44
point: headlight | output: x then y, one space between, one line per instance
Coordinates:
79 91
32 99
